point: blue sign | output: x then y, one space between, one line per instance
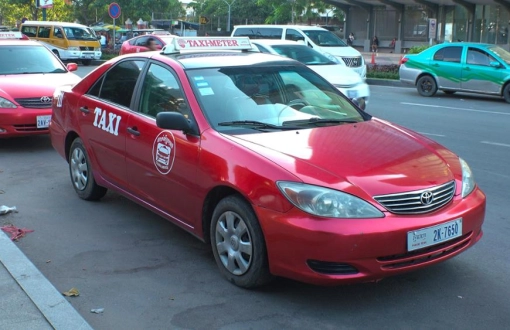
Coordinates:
114 10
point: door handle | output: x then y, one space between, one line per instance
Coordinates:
435 64
134 131
84 110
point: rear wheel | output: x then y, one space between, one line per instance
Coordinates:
81 173
506 93
426 86
238 243
86 62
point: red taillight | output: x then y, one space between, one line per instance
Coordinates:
403 60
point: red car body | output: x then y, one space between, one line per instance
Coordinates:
367 159
29 94
138 44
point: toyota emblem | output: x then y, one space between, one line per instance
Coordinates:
426 197
45 99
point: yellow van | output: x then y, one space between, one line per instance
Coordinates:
69 41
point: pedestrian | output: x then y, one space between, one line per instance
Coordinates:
350 39
392 45
375 44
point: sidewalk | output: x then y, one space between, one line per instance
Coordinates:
27 299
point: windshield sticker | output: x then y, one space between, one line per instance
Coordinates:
163 152
107 121
198 78
206 91
202 84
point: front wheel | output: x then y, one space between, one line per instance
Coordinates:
506 93
86 62
238 243
426 86
81 173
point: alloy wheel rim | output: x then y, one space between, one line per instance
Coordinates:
79 169
233 243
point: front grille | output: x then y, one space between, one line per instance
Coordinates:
427 254
86 48
35 102
352 62
331 268
419 201
28 128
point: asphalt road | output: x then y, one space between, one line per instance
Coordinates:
148 274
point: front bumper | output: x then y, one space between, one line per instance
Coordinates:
22 122
360 91
84 55
342 251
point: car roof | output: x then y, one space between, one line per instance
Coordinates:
272 42
195 60
18 42
299 27
462 43
67 24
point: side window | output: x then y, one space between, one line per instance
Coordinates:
259 33
57 32
479 57
29 31
118 83
293 35
44 32
141 41
449 54
161 92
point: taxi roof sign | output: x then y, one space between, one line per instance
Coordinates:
11 35
207 43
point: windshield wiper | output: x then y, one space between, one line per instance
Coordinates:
318 121
254 124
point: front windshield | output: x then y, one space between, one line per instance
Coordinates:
303 54
243 99
325 38
503 54
79 33
28 59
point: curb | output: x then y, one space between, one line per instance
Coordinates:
387 82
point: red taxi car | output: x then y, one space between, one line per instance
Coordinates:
29 74
139 44
266 161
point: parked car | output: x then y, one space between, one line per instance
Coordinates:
139 44
335 71
459 67
264 159
29 74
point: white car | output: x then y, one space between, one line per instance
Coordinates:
337 73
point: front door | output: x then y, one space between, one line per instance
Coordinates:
478 75
162 164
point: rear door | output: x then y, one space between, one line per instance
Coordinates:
105 110
162 164
477 73
446 66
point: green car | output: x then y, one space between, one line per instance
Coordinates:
459 67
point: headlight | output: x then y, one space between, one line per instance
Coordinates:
97 49
73 48
4 103
326 202
468 182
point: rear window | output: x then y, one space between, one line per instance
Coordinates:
259 33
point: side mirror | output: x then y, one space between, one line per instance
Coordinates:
174 121
495 65
360 103
72 66
98 37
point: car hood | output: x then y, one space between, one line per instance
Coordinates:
375 156
34 85
341 51
337 74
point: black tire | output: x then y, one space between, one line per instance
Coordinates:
506 93
86 62
449 92
234 228
426 86
81 173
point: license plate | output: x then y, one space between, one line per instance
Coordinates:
421 238
43 121
352 94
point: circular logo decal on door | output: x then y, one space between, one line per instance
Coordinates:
163 152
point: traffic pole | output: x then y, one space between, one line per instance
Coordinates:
373 58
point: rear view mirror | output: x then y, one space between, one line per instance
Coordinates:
72 66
